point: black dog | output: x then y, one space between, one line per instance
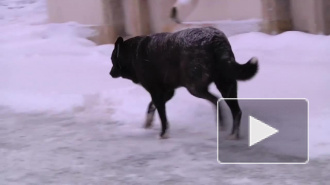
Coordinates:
192 58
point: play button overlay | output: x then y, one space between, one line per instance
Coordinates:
259 131
272 131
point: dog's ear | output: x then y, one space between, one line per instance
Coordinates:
118 43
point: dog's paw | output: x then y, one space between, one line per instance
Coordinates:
222 127
232 137
148 123
164 136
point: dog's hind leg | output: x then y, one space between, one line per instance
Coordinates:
229 90
204 94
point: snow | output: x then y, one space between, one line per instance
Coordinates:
61 113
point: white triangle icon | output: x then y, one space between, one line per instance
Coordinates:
259 131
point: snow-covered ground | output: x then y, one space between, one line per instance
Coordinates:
64 120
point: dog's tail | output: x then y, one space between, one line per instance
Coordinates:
243 71
226 64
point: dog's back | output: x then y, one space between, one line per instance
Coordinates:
191 56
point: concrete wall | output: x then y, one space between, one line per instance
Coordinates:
160 15
137 17
104 16
113 18
60 11
214 10
276 16
304 13
326 16
203 10
311 16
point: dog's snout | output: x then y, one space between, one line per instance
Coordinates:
114 74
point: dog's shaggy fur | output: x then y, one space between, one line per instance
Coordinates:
192 58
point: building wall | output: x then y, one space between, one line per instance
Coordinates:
326 16
214 10
113 18
88 12
132 18
303 15
204 10
276 16
311 16
160 15
104 16
135 17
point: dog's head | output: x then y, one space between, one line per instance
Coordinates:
116 58
122 59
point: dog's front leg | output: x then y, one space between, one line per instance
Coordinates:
150 115
159 100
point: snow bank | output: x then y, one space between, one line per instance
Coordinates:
292 46
23 11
